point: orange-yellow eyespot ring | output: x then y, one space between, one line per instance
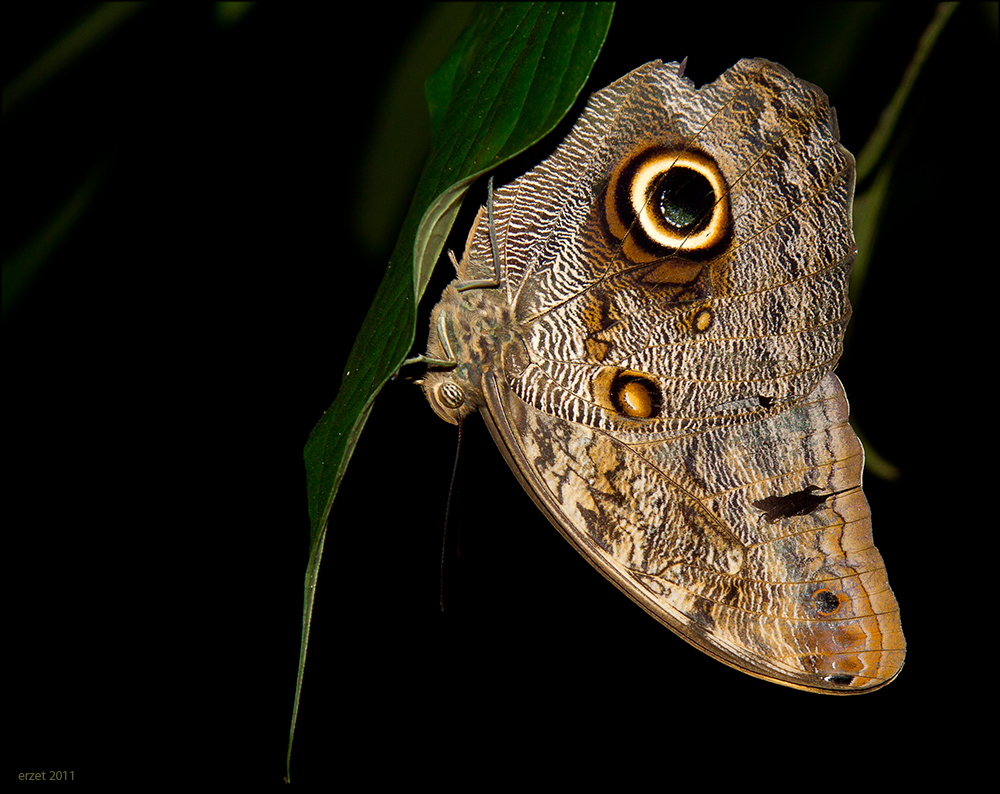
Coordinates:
666 201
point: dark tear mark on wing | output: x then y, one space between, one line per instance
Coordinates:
800 503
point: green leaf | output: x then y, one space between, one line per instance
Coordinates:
88 34
875 170
508 81
879 140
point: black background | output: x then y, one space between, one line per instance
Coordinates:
165 368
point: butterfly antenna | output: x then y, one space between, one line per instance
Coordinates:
447 510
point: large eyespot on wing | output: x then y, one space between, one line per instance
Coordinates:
628 394
661 201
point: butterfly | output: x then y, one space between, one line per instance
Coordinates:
649 321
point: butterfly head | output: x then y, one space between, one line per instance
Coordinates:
450 396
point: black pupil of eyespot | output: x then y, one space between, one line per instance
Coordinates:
685 198
827 601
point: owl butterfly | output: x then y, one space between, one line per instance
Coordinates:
649 321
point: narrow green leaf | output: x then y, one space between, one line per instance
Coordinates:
507 82
21 267
870 204
90 32
883 133
869 208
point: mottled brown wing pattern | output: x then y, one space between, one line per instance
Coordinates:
655 362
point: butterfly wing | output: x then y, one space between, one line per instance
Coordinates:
656 365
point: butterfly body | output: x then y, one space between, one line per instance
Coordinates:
651 339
